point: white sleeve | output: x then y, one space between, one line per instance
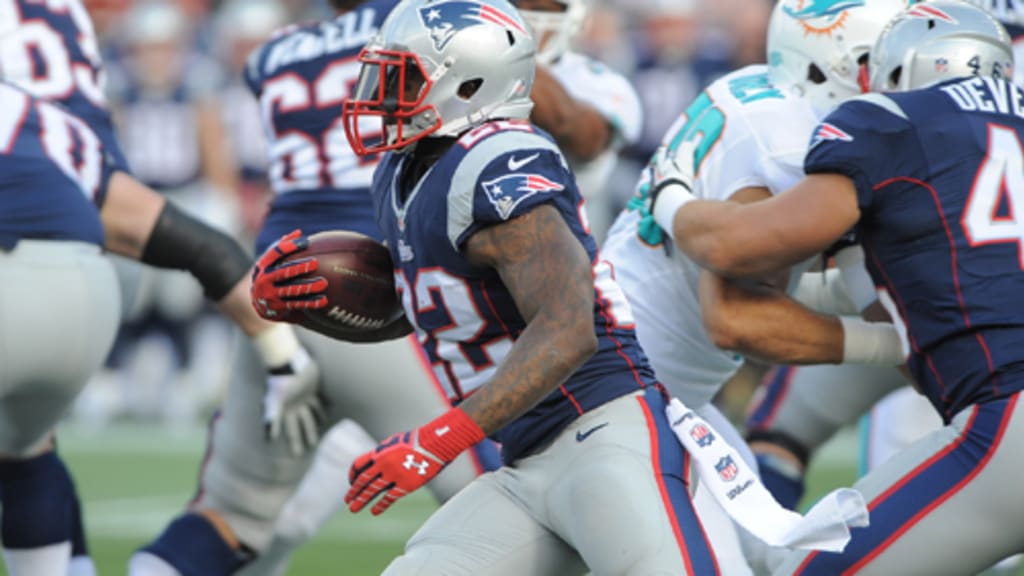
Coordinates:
825 292
859 285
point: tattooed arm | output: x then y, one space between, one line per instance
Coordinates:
548 273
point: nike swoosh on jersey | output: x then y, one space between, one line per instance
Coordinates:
514 165
581 436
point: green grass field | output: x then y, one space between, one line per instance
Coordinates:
133 479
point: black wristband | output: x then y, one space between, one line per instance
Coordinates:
182 242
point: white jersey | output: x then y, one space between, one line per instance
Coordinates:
615 98
749 134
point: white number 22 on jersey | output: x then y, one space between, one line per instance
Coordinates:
1001 175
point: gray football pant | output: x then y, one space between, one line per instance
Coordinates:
594 500
811 403
948 504
386 387
59 312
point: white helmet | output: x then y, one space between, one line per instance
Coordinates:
937 41
563 26
439 68
816 47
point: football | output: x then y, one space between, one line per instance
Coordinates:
360 285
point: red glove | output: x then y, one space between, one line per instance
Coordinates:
404 462
280 289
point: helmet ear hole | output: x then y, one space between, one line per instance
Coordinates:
894 76
815 75
511 38
470 87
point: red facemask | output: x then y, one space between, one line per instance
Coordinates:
392 86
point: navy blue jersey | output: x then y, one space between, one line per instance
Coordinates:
48 48
52 172
159 127
940 183
301 77
464 315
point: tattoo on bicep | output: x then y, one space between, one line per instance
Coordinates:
548 273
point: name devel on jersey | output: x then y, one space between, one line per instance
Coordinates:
942 224
301 76
464 316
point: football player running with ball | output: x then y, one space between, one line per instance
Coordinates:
261 498
924 174
526 328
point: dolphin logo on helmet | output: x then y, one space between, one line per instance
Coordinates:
823 9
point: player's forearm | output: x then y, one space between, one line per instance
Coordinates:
543 357
548 274
237 307
724 238
577 127
764 324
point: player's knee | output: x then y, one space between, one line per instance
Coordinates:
781 462
191 545
293 527
38 499
249 506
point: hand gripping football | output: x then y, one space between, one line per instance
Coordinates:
360 284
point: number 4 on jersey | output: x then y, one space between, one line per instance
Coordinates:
999 183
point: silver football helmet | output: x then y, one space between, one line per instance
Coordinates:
936 41
558 27
815 47
439 68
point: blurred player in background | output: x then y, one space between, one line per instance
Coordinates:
138 223
243 25
482 217
164 99
50 260
301 77
589 109
937 227
695 326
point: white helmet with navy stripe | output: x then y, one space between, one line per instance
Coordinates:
439 68
936 41
816 47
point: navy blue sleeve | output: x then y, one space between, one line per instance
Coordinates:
864 141
517 181
251 74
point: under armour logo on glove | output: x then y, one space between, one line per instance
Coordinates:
410 463
407 461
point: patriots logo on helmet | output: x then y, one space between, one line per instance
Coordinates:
507 192
929 13
702 435
727 469
444 19
827 131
